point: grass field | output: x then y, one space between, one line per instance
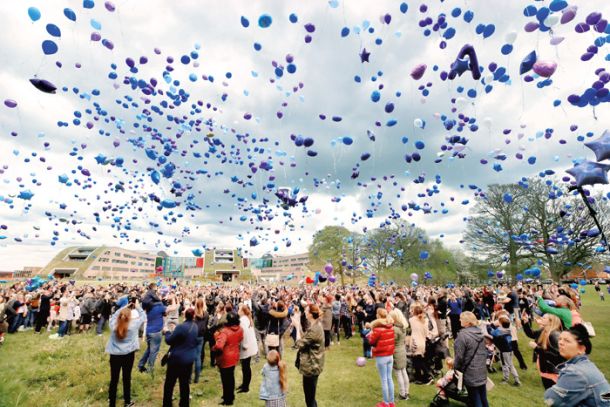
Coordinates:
36 371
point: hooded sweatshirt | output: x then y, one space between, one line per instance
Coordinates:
470 356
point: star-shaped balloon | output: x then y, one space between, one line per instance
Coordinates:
460 66
589 173
601 146
364 56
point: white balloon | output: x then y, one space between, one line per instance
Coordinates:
418 123
551 20
511 37
487 122
488 79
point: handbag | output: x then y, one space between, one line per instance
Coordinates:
297 361
460 375
273 340
165 357
489 385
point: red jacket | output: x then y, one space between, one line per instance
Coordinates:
228 340
382 339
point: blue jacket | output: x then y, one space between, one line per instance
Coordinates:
130 343
580 383
270 384
155 318
182 343
455 307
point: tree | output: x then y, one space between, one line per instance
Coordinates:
499 215
560 228
329 245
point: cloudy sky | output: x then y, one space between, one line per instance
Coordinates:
235 120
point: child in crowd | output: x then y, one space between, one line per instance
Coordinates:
275 381
500 330
446 379
366 345
491 354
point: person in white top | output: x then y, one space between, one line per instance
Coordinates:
249 346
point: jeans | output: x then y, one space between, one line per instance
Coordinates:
118 363
153 343
346 322
326 338
198 360
100 325
227 376
309 388
335 327
403 381
182 373
477 396
384 367
30 318
14 323
246 373
63 327
261 334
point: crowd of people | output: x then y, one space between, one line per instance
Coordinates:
410 332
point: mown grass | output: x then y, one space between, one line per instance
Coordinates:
36 371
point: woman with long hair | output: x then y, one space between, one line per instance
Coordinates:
417 344
249 347
201 319
310 357
546 346
400 352
122 346
275 381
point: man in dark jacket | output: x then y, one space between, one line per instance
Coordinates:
470 359
44 310
150 297
154 325
103 309
261 321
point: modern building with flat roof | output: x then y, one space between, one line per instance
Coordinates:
226 264
101 261
277 268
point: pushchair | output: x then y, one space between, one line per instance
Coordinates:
451 393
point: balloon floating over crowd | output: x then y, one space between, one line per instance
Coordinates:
416 109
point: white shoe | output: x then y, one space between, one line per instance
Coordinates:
54 336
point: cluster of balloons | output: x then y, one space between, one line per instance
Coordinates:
34 283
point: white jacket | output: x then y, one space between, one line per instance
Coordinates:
249 346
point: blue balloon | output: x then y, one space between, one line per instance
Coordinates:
96 24
528 62
49 47
375 96
468 16
34 13
344 31
348 141
244 22
423 255
404 7
88 4
70 14
53 30
506 49
264 21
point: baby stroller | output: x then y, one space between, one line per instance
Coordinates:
451 393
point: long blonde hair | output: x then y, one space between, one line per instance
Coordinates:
122 325
199 308
553 324
246 311
398 316
274 359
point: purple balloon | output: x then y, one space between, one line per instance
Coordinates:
10 103
587 56
95 36
418 71
545 68
557 40
109 6
601 26
531 26
593 18
581 28
568 14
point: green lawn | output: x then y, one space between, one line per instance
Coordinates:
36 371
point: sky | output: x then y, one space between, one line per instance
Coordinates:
244 117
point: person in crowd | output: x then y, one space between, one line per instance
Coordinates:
310 356
545 345
261 322
248 348
274 383
295 321
382 341
227 348
277 325
182 341
336 321
446 379
345 315
580 383
470 359
500 331
122 346
327 319
103 309
201 319
417 344
564 308
400 352
154 326
455 309
172 312
44 311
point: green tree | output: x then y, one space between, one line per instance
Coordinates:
330 245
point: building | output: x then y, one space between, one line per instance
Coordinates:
225 264
180 267
26 272
101 261
278 268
